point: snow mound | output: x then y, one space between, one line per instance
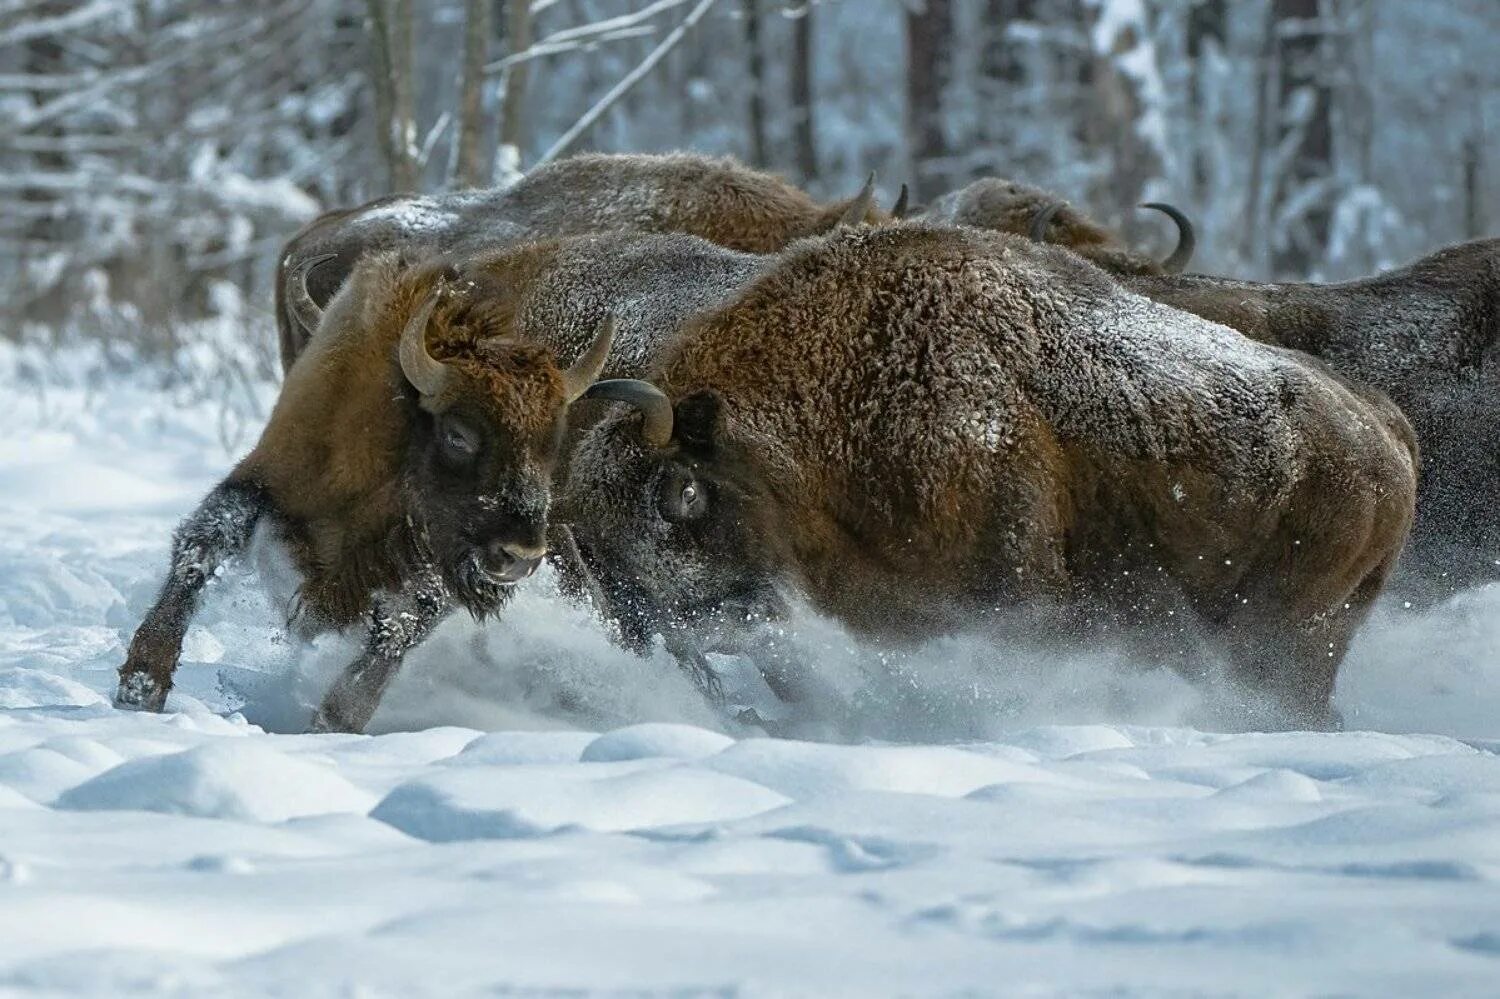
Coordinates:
33 688
503 803
803 769
525 747
233 780
640 742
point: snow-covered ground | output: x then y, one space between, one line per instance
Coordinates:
544 815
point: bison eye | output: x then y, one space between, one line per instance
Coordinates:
682 499
460 441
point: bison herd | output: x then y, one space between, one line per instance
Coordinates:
698 392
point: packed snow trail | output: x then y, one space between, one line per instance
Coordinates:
545 814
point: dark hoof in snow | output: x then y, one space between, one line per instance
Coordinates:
140 692
328 720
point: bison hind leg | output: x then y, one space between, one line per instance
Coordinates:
1292 659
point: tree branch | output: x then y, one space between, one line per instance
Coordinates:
619 90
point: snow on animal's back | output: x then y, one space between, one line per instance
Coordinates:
1137 377
1145 380
967 329
655 282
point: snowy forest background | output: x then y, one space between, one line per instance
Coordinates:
154 154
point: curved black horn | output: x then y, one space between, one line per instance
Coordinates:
656 429
1042 220
1187 240
898 210
307 312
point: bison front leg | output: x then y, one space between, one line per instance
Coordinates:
218 530
574 579
398 623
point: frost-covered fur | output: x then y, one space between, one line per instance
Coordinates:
919 426
350 468
718 199
1010 206
1426 335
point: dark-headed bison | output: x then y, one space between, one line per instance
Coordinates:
914 426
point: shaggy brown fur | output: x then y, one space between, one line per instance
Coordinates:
718 199
502 320
348 521
1425 334
1010 206
354 466
915 426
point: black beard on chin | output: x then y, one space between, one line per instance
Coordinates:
461 566
473 587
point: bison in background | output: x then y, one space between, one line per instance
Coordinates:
408 463
1424 334
715 198
1013 207
916 426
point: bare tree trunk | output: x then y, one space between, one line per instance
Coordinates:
1003 74
395 90
1255 244
1304 137
1117 113
44 56
757 68
929 42
1473 171
471 166
403 59
803 144
1207 32
40 222
513 108
999 57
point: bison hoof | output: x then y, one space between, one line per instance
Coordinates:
328 720
140 692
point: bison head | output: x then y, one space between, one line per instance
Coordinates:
488 411
1014 207
671 518
1083 236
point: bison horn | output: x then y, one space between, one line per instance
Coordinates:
590 364
1042 220
898 210
859 208
655 407
426 373
1187 241
305 311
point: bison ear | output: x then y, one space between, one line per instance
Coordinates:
698 420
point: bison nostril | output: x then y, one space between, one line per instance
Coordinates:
513 561
523 552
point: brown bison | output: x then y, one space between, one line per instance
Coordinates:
1010 206
1426 335
715 198
408 463
917 427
